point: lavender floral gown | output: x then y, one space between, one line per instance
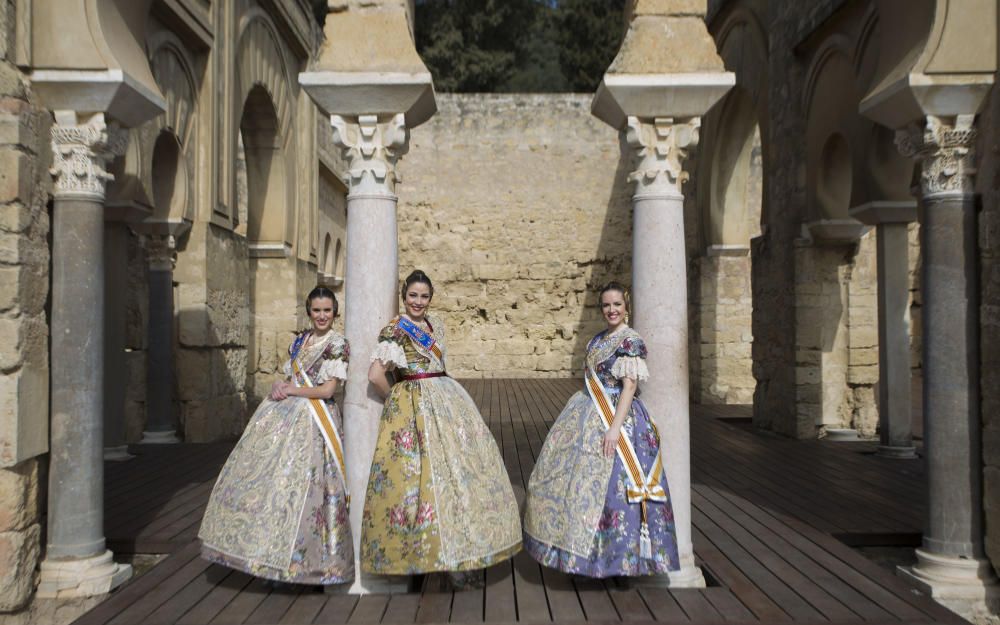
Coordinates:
577 517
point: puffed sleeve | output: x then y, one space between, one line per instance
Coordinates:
631 360
389 349
335 359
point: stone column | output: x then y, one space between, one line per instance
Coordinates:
659 296
951 565
115 371
161 413
76 561
891 220
371 147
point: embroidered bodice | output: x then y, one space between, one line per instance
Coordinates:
617 356
323 360
396 350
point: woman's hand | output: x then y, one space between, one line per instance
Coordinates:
610 442
279 390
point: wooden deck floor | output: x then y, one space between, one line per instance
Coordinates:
767 515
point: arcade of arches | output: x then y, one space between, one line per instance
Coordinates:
815 183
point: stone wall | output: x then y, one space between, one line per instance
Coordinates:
989 245
517 207
25 185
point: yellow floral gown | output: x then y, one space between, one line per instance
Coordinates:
279 508
439 498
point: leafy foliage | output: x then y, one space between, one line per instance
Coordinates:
588 34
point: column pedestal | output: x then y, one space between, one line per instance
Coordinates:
77 562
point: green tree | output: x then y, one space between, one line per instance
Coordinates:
588 34
473 45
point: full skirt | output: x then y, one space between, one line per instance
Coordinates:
439 498
578 518
278 509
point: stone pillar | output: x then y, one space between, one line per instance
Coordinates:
371 147
951 565
115 372
161 413
891 220
659 295
76 560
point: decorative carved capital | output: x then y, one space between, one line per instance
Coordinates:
371 149
161 251
81 154
661 145
945 147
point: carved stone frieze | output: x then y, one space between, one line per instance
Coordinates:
81 154
371 149
945 147
661 145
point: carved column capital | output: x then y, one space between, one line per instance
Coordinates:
161 251
945 148
661 146
371 149
81 153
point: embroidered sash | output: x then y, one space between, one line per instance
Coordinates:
321 415
641 488
420 337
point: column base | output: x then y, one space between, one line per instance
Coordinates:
159 438
965 586
81 577
689 576
117 453
369 584
897 453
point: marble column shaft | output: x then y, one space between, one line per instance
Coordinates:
371 149
895 427
76 561
659 300
161 414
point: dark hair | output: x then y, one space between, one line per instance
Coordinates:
416 276
319 293
616 286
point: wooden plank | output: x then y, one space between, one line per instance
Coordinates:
726 603
662 605
500 605
243 604
630 605
369 609
138 588
176 606
467 606
217 599
730 575
401 608
563 601
435 607
337 610
695 605
597 605
531 603
274 606
162 592
304 609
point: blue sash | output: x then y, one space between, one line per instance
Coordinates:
420 337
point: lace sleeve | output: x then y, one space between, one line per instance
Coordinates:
630 367
335 368
389 350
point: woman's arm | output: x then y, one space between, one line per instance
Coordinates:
621 411
376 375
323 391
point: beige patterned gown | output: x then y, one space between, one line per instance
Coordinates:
439 498
279 509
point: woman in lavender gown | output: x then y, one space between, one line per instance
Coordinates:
598 503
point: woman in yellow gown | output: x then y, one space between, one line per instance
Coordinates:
439 498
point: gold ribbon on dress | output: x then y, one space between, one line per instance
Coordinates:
642 488
324 421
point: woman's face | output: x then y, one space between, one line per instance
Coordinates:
416 299
321 313
613 308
